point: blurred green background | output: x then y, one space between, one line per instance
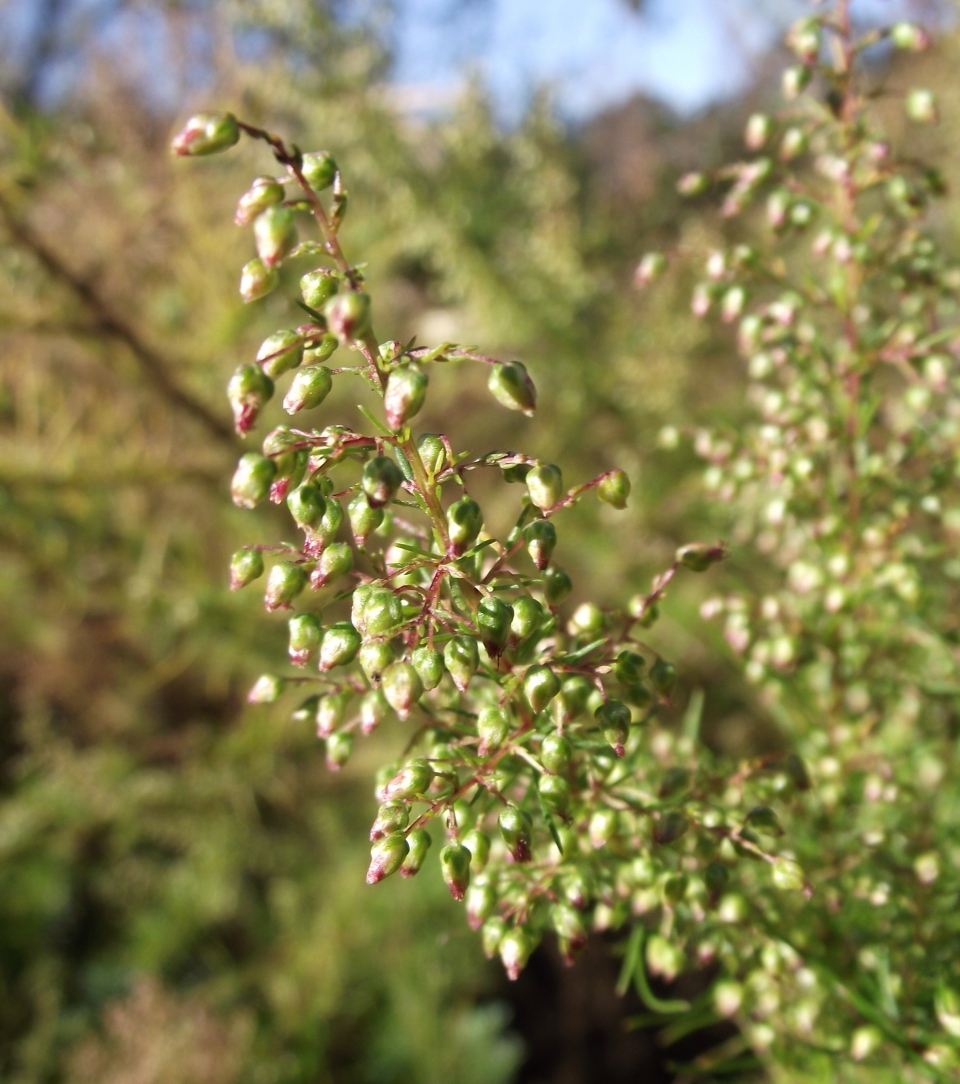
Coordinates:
181 880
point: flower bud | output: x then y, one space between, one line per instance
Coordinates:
374 709
614 720
663 677
493 622
306 711
379 613
428 665
306 505
478 844
699 556
512 387
795 81
793 145
335 561
339 646
693 184
279 352
364 519
527 617
515 472
540 686
386 857
663 957
206 133
545 485
266 689
433 453
462 659
571 933
491 935
375 656
804 39
864 1041
541 539
402 687
317 287
603 827
348 316
246 565
319 169
515 827
419 842
331 711
392 816
305 633
464 520
757 131
556 585
670 827
339 749
555 793
455 867
588 621
381 480
614 489
248 390
909 36
731 304
555 753
921 106
516 947
412 781
309 388
285 581
257 280
481 900
574 694
263 193
629 668
651 266
778 207
405 394
275 234
493 726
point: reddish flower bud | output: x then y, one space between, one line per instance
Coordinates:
285 581
340 645
402 687
275 234
263 193
348 316
462 658
309 388
206 133
516 947
257 280
541 539
305 633
419 842
481 900
386 857
515 828
246 565
455 867
251 480
248 390
405 394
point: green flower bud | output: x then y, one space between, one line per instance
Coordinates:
433 453
512 387
588 621
248 390
541 539
348 316
374 709
651 266
306 711
663 677
614 489
545 485
527 617
670 827
574 694
556 752
340 645
381 480
402 687
464 520
335 561
556 585
604 825
331 711
516 947
493 621
757 131
419 842
540 686
305 633
380 612
412 781
428 664
491 935
863 1042
516 827
493 726
266 689
455 867
257 280
317 287
263 193
693 184
284 582
733 300
390 351
515 472
614 720
462 659
375 657
793 145
339 749
788 876
309 388
805 38
386 856
319 169
206 133
478 844
629 668
275 234
664 959
364 519
405 394
321 350
279 352
321 534
306 505
555 792
570 930
464 814
481 900
392 816
795 81
909 36
921 106
246 565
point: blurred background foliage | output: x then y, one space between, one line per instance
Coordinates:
181 880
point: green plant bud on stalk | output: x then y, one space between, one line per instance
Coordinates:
478 844
257 280
266 689
428 664
804 39
379 613
556 753
386 856
464 814
516 947
318 286
263 193
569 927
909 36
540 686
284 582
515 827
433 453
731 304
307 710
402 687
246 565
412 781
555 792
305 632
306 505
604 825
795 81
693 184
757 131
443 784
541 539
331 711
374 709
545 485
339 750
629 668
663 958
335 561
651 266
491 935
493 622
275 234
392 816
516 472
921 106
323 533
248 390
319 169
321 350
794 143
381 480
375 657
405 394
663 677
390 351
309 388
206 133
527 617
576 887
493 726
481 900
280 352
419 842
455 867
340 645
364 519
556 585
348 316
614 720
511 386
670 827
462 659
464 521
574 694
614 489
588 621
863 1042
